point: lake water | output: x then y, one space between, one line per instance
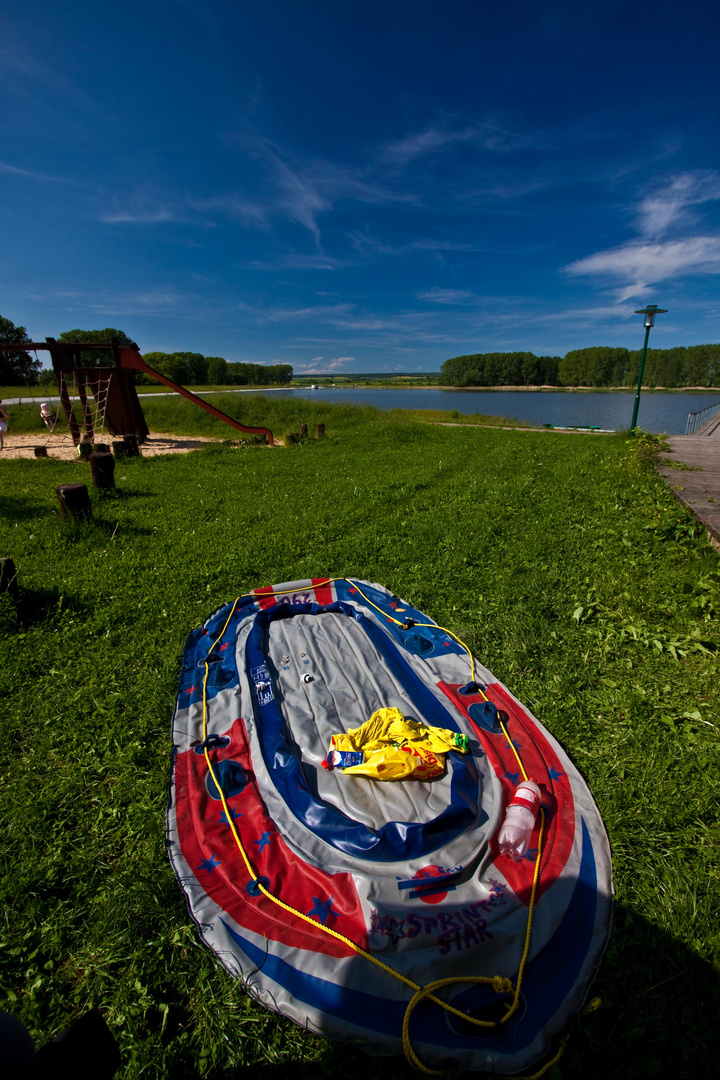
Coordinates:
658 411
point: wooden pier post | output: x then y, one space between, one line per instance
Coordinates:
74 502
102 467
8 577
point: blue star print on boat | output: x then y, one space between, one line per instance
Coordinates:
554 775
322 910
513 777
208 864
395 929
263 841
233 814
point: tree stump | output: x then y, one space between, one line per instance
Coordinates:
84 451
321 431
40 451
289 438
303 431
102 466
132 445
101 448
74 502
120 449
8 577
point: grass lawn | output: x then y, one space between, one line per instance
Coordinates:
566 567
172 414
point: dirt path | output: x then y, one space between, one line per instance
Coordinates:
61 447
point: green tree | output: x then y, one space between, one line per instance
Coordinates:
173 365
500 369
197 367
16 368
598 365
89 358
218 374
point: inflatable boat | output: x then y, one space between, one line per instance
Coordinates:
380 913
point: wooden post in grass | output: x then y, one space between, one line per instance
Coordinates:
120 448
321 431
303 431
8 577
74 502
132 445
41 451
84 449
102 467
101 448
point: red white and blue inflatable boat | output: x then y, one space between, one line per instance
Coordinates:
336 898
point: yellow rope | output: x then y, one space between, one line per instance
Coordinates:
499 984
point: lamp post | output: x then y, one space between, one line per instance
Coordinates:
649 312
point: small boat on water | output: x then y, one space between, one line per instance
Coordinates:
341 900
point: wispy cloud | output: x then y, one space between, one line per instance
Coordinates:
670 205
139 217
279 186
424 143
325 312
295 261
47 178
445 296
649 259
369 244
314 366
340 362
438 139
147 302
641 264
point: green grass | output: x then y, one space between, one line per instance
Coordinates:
174 414
566 567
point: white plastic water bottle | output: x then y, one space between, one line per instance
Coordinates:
516 829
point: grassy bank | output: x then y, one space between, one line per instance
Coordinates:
176 415
564 566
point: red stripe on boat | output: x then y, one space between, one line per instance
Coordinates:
210 850
323 590
265 596
540 762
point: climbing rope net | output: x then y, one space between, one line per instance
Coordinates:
91 390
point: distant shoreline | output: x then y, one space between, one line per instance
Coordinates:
519 389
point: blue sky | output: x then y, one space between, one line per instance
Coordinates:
367 186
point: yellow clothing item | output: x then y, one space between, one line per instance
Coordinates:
395 747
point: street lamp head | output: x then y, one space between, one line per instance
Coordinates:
650 312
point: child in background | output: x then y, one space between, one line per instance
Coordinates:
47 416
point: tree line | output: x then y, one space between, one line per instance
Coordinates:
597 365
199 370
19 368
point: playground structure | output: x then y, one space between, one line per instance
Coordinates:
107 392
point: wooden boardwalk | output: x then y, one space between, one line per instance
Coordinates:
699 491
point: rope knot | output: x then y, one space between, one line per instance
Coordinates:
501 985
